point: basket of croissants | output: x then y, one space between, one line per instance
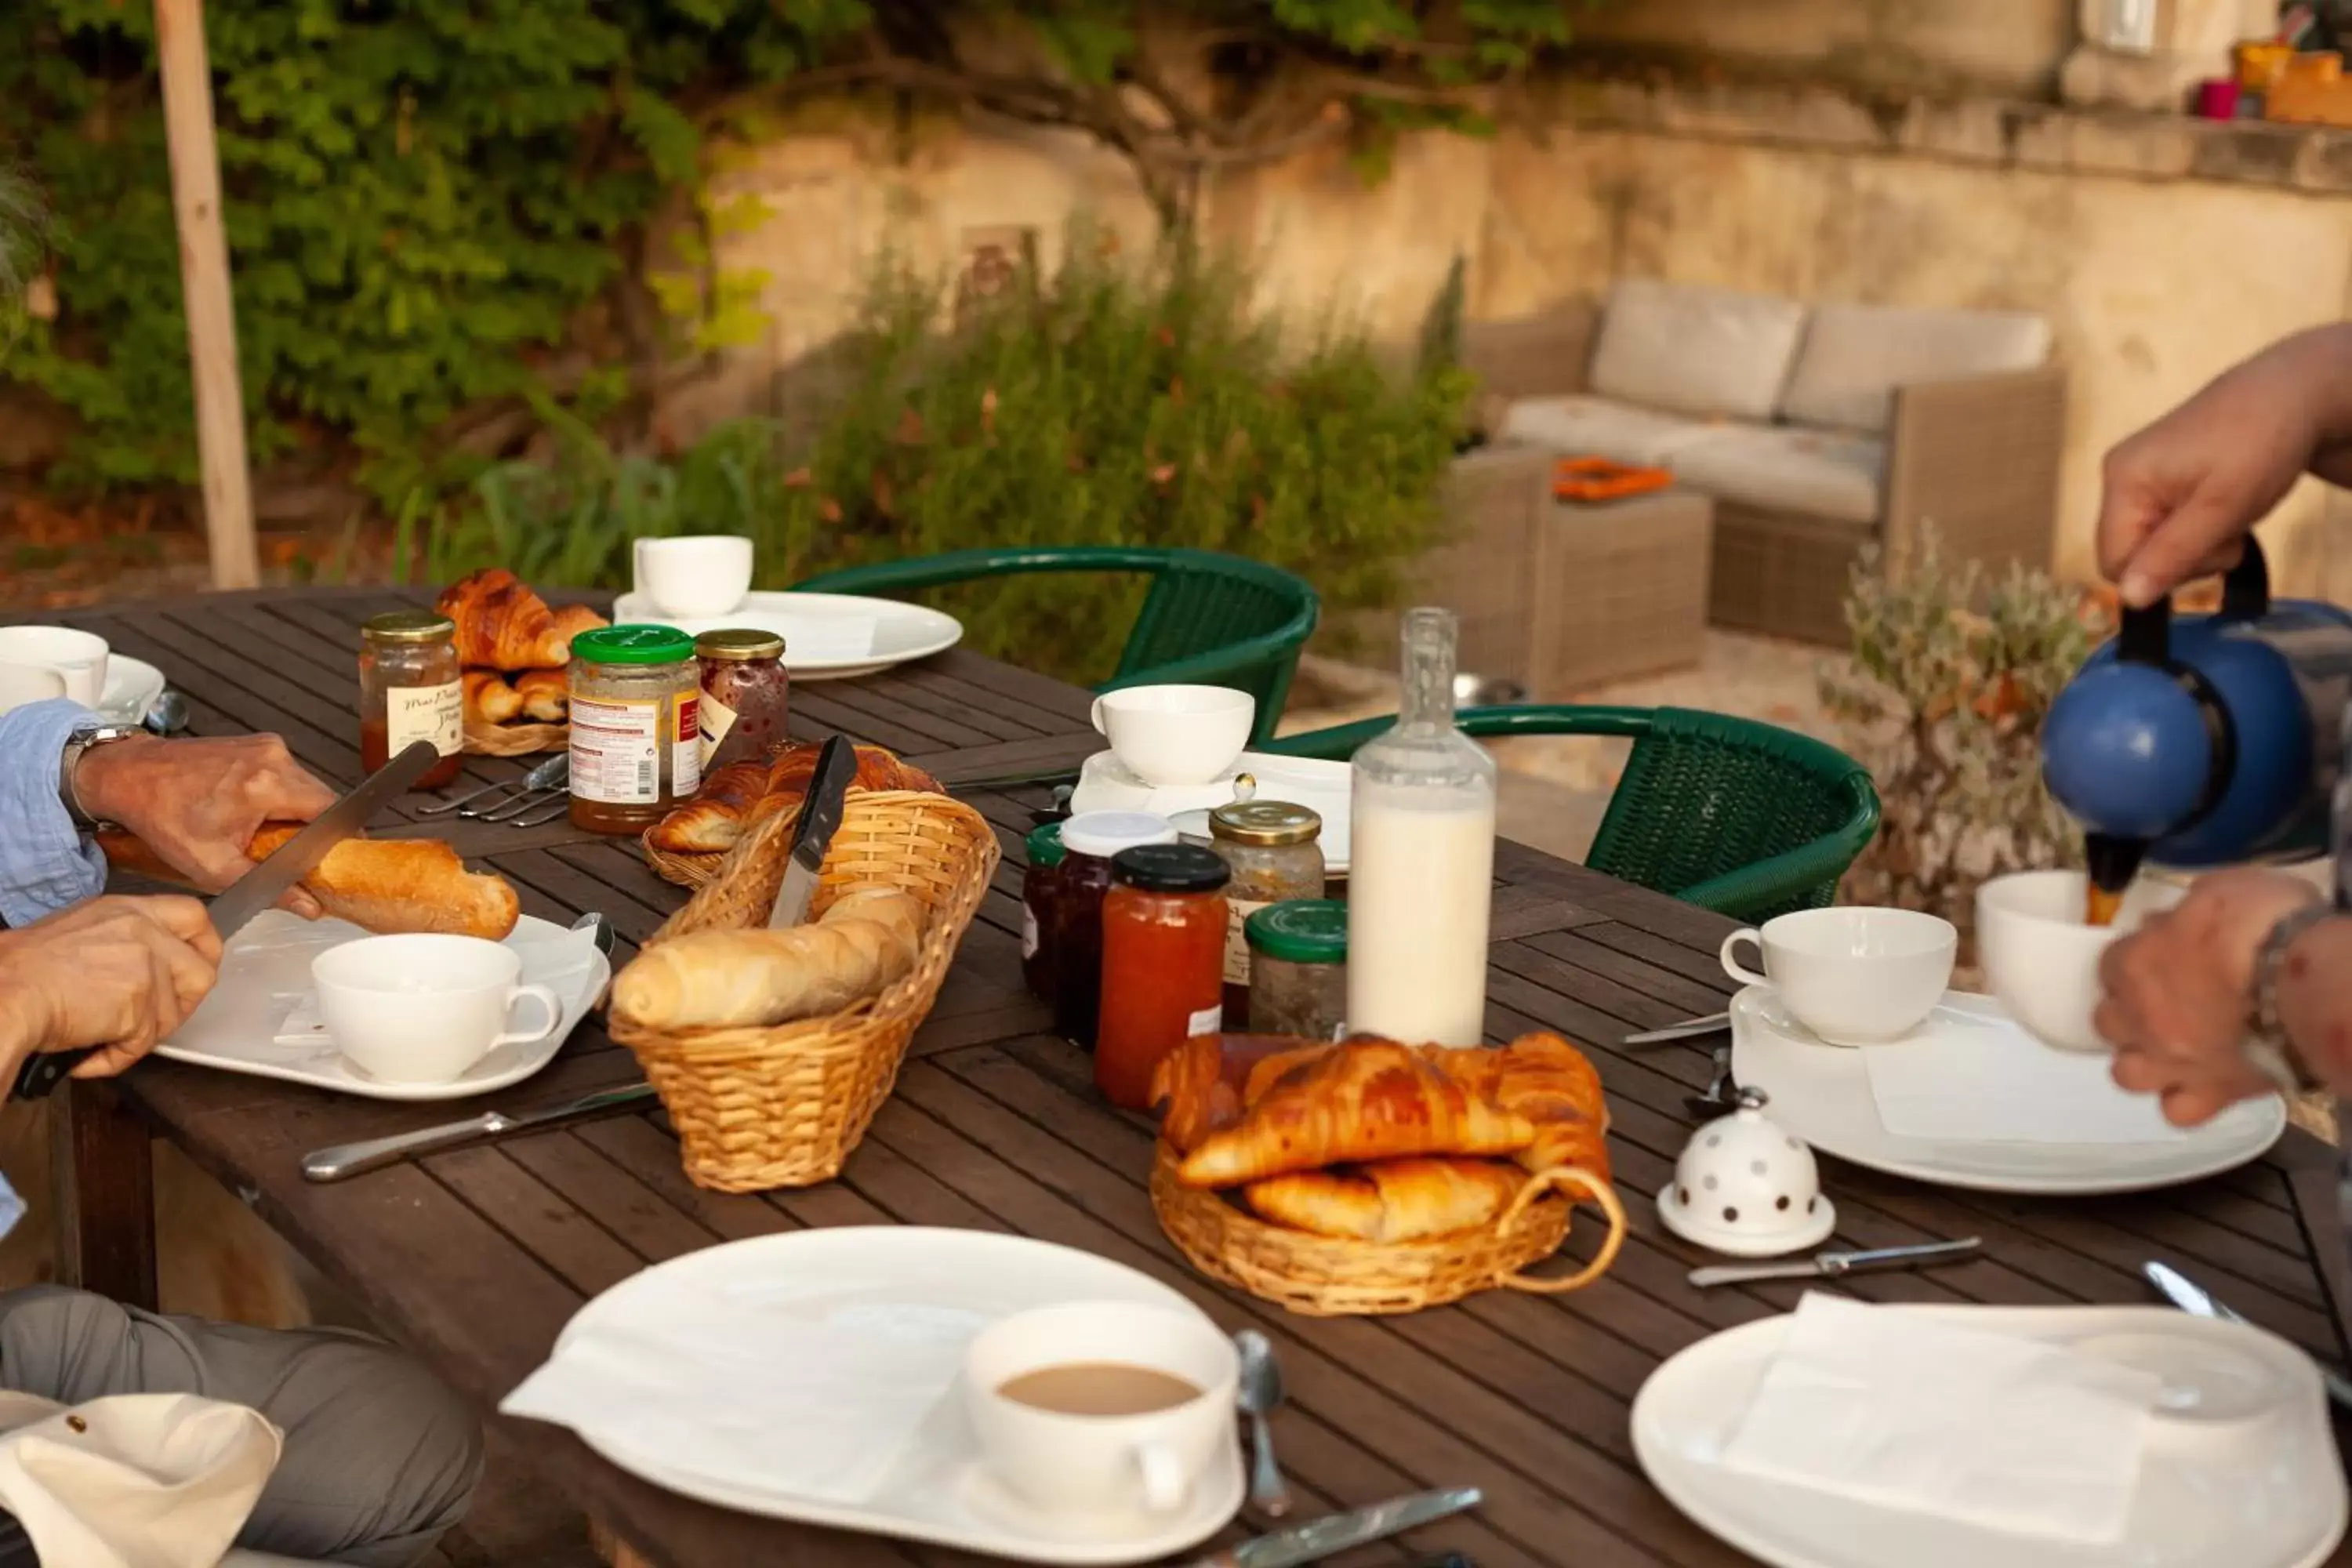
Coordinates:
1372 1177
515 651
689 846
773 1050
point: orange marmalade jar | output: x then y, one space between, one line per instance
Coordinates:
1163 963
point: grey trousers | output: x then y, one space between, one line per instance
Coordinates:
379 1458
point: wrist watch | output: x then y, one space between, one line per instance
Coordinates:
79 744
2266 1046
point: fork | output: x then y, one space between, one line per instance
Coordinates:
548 773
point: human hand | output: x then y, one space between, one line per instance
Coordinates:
198 803
2181 496
117 973
2179 992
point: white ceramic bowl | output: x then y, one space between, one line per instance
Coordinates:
2040 957
425 1008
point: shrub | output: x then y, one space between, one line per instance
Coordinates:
1106 402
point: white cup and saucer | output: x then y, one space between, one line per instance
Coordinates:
693 576
75 659
1175 737
426 1009
1100 1418
2040 954
1852 975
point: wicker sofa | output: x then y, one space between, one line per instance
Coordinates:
1818 431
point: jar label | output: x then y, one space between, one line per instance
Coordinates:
1028 932
1237 968
615 752
715 719
686 752
434 713
1208 1020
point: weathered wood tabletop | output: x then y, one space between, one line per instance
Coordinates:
477 1258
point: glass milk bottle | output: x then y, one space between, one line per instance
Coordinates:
1420 846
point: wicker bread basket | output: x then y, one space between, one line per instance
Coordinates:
1329 1276
515 740
691 870
783 1106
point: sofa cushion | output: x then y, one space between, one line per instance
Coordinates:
1597 427
1695 351
1820 473
1854 356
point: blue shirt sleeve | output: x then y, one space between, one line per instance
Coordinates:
45 865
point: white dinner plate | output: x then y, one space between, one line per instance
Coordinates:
2256 1484
132 687
1821 1094
956 1282
901 632
266 974
1105 784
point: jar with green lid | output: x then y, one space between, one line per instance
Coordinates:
636 748
1040 886
1298 969
1275 852
411 689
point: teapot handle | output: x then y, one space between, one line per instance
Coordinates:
2144 637
2246 591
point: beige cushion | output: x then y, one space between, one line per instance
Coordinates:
240 1558
1695 351
1820 473
1597 427
1854 356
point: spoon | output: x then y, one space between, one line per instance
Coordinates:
1260 1393
170 714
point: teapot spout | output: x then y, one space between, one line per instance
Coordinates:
2113 861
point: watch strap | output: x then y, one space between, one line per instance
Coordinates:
79 744
2266 1046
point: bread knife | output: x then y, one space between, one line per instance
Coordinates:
820 818
269 881
352 1158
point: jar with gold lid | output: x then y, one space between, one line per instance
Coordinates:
411 689
744 688
1275 852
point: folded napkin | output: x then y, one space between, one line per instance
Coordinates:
810 637
1999 1084
1897 1408
747 1397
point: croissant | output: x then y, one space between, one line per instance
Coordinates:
1544 1078
864 942
383 884
502 624
546 693
1390 1200
488 699
1365 1099
743 794
1203 1085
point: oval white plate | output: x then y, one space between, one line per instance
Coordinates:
2264 1494
1821 1094
902 632
963 1281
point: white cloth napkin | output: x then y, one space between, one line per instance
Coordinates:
1996 1083
751 1398
812 637
1906 1411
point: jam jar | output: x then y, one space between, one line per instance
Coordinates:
636 747
1275 850
411 690
1298 969
1088 841
744 685
1164 959
1040 888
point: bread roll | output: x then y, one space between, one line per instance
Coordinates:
863 943
502 624
743 794
1393 1200
389 886
488 699
546 694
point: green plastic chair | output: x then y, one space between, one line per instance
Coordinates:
1741 817
1210 619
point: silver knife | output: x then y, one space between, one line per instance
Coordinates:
350 1158
1830 1265
1338 1533
837 769
2197 1302
261 888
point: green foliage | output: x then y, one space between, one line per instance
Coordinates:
1103 404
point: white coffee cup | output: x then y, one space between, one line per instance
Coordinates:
425 1008
78 657
2040 957
1176 734
1854 975
695 574
1102 1463
23 683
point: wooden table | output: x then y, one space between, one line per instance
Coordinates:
477 1258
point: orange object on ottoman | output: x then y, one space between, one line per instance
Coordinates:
1598 478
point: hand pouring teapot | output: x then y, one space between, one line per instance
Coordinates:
2205 740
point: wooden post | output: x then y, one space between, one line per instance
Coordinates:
203 283
102 1186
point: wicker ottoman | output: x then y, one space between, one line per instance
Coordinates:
1621 588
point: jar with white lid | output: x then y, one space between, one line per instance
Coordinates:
1089 840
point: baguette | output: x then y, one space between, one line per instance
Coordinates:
389 886
742 979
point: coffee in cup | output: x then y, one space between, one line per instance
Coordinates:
696 574
1852 975
1101 1407
425 1008
78 657
1170 735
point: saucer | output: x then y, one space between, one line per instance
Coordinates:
1106 783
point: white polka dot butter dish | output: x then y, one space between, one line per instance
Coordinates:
1746 1188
